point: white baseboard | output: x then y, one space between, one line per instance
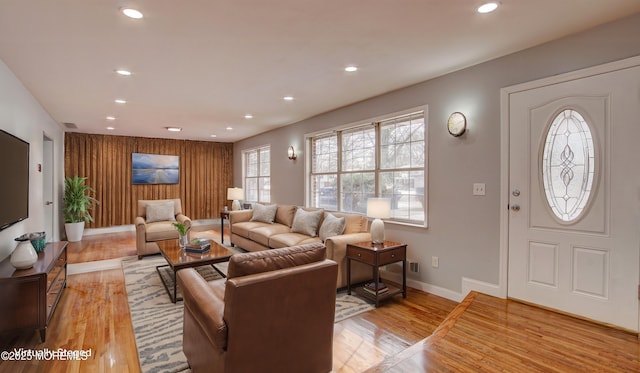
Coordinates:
468 285
114 229
428 288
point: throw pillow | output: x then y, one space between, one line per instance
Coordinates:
264 213
331 226
160 211
306 222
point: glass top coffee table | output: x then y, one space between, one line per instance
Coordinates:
178 258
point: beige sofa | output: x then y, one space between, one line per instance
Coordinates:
259 235
157 228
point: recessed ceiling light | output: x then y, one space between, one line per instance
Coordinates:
123 72
111 118
120 101
131 13
488 7
110 128
288 98
229 128
214 135
248 116
174 129
351 69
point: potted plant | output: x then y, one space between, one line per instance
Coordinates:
183 240
78 202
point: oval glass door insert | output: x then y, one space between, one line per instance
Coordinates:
568 165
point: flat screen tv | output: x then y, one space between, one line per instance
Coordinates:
14 187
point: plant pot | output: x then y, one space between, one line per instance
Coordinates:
74 231
23 256
183 240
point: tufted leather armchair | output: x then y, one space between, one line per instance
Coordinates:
273 313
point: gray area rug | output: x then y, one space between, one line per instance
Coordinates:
157 322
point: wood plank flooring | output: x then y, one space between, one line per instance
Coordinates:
481 334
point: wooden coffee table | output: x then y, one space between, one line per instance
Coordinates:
178 259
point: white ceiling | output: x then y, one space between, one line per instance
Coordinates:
203 64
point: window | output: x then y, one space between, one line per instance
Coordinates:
385 158
257 171
568 165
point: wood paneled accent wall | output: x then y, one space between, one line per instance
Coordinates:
206 170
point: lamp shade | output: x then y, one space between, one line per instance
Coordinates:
379 208
235 194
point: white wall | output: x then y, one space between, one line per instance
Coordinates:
22 116
464 230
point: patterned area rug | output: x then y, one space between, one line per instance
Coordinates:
157 322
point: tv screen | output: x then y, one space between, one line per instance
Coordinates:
14 188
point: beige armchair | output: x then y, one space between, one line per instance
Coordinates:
273 313
155 223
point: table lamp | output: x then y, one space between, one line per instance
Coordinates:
378 208
235 194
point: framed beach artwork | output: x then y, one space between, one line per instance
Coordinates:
155 169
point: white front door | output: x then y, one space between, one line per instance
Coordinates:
574 179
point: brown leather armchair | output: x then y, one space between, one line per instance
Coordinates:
160 227
273 313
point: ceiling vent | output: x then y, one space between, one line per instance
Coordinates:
71 126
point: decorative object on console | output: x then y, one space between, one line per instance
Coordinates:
235 194
457 124
24 255
38 240
378 208
78 202
291 153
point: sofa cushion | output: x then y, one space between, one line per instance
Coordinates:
160 211
269 260
261 234
161 230
354 223
264 213
306 222
331 226
290 239
285 214
243 228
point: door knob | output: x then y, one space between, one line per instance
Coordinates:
515 207
516 192
48 203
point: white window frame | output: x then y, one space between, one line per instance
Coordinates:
245 157
378 170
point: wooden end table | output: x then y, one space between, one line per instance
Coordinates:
178 259
377 255
224 215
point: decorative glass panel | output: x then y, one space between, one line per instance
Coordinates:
568 165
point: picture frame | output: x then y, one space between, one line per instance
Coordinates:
154 169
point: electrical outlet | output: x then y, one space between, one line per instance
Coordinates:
435 262
479 189
414 267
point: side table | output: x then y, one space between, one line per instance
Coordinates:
377 255
223 215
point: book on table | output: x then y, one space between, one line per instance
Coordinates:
371 288
198 246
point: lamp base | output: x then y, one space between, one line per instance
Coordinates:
377 231
235 205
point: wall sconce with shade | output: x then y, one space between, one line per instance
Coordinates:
378 208
291 153
235 194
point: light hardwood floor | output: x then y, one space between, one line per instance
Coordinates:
480 334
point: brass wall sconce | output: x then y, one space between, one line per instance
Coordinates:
291 153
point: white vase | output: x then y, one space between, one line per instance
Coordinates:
74 231
24 256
